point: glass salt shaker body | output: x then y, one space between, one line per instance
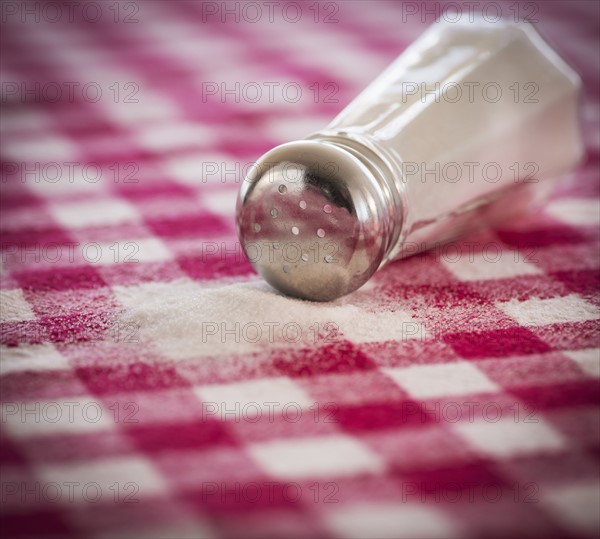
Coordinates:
468 126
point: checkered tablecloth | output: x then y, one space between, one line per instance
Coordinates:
153 386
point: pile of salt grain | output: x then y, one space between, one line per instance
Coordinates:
185 319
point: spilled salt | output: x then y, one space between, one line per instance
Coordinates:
186 319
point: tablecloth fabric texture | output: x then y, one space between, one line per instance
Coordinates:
153 385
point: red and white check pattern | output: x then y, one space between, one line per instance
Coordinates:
448 398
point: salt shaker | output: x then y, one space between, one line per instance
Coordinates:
469 125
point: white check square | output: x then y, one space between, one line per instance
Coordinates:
391 521
46 148
220 201
199 169
497 262
269 395
379 327
588 359
174 135
152 107
575 211
35 357
440 380
42 417
540 312
506 437
325 456
130 251
577 506
99 213
14 306
132 477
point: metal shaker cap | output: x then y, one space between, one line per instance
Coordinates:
312 220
